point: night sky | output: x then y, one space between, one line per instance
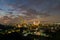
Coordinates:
45 10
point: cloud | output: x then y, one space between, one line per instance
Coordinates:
1 9
34 13
57 7
30 9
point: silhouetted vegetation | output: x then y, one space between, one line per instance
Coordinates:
14 35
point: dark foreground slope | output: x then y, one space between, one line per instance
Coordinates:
19 35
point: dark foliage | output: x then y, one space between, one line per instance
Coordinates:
19 35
